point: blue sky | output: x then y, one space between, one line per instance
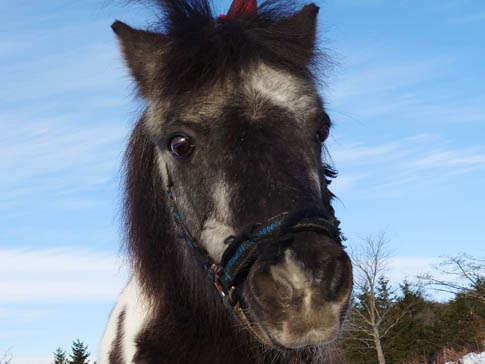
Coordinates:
408 104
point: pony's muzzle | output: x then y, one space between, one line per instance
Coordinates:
300 298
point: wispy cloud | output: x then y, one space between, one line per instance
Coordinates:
31 359
374 77
343 183
59 275
379 85
462 159
358 152
42 155
408 268
376 89
44 61
420 159
16 314
59 131
88 67
401 268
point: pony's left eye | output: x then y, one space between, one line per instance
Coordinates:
323 131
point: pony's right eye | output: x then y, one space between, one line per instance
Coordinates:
180 146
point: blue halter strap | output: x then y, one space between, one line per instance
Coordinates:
242 251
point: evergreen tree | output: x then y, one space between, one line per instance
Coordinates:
415 336
384 295
415 328
462 323
60 357
79 354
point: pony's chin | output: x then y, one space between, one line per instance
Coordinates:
284 341
281 337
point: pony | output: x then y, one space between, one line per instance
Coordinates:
235 249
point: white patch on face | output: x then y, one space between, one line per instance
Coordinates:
289 272
213 236
207 105
162 167
315 177
222 197
218 227
282 89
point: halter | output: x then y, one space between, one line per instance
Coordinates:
242 250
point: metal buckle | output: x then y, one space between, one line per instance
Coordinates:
215 271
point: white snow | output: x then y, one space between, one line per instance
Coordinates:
470 358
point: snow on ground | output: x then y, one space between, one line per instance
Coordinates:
470 358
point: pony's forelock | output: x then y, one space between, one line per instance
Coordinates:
204 48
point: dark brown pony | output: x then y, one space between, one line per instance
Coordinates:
236 252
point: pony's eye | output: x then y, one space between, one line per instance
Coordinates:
180 146
322 132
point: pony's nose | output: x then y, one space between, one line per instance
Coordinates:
331 280
309 274
300 299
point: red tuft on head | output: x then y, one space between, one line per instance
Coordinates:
242 8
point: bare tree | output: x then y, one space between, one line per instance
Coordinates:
466 276
6 358
370 320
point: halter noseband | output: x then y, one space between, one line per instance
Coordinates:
242 250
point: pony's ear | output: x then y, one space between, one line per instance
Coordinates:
143 52
301 28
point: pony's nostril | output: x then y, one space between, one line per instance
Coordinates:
337 279
340 275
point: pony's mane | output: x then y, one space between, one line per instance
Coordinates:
204 47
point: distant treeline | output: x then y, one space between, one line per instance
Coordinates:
425 328
387 326
79 354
